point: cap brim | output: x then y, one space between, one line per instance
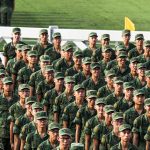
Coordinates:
40 118
92 96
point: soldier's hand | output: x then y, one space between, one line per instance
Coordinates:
12 146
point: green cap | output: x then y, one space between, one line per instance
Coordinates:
105 36
124 127
109 73
128 85
26 47
45 58
95 65
7 80
23 86
147 102
78 87
141 65
19 47
109 108
49 68
147 73
53 126
120 47
1 146
68 47
69 79
43 31
59 75
126 32
41 115
118 80
122 55
37 105
100 101
65 131
32 53
117 115
91 94
139 92
56 34
78 53
16 30
106 48
86 60
147 43
2 72
93 34
134 59
139 36
31 99
77 146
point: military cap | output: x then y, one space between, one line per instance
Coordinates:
105 36
1 146
78 87
7 80
109 73
77 53
49 68
56 34
128 85
26 47
95 65
19 47
41 115
109 108
43 31
141 65
122 55
117 115
16 30
126 32
93 34
106 48
86 60
139 92
59 75
32 53
118 80
139 36
77 146
65 131
100 101
147 43
147 102
37 105
134 59
53 126
2 72
147 73
69 79
91 94
31 99
68 47
45 58
120 47
124 127
23 86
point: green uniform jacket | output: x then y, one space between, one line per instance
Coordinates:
147 91
133 53
9 66
71 71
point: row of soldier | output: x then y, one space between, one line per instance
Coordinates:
84 91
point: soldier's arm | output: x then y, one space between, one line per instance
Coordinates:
56 110
32 84
135 139
5 61
65 117
22 144
78 130
39 92
16 142
28 142
95 144
11 135
147 145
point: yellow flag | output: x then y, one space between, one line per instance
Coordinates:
129 24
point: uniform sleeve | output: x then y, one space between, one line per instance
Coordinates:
96 133
78 118
5 50
28 142
20 76
87 128
65 116
39 89
136 126
104 143
56 106
23 133
11 117
32 80
147 135
17 126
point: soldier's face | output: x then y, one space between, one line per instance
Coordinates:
147 51
109 80
68 54
139 99
100 108
79 94
129 92
91 102
59 81
95 72
44 37
147 108
24 93
139 42
16 36
49 75
19 53
69 86
121 61
77 60
107 54
125 135
126 37
43 64
32 59
8 87
148 81
117 123
118 87
24 54
105 42
133 66
57 41
29 107
141 72
108 116
53 134
64 142
42 123
92 40
86 67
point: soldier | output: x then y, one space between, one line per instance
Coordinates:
127 102
49 97
85 73
18 109
70 110
77 67
38 76
138 50
25 72
77 146
43 43
55 52
95 81
140 126
132 113
107 89
147 138
34 139
52 141
7 99
117 94
125 136
22 120
104 127
63 99
9 49
84 114
46 84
